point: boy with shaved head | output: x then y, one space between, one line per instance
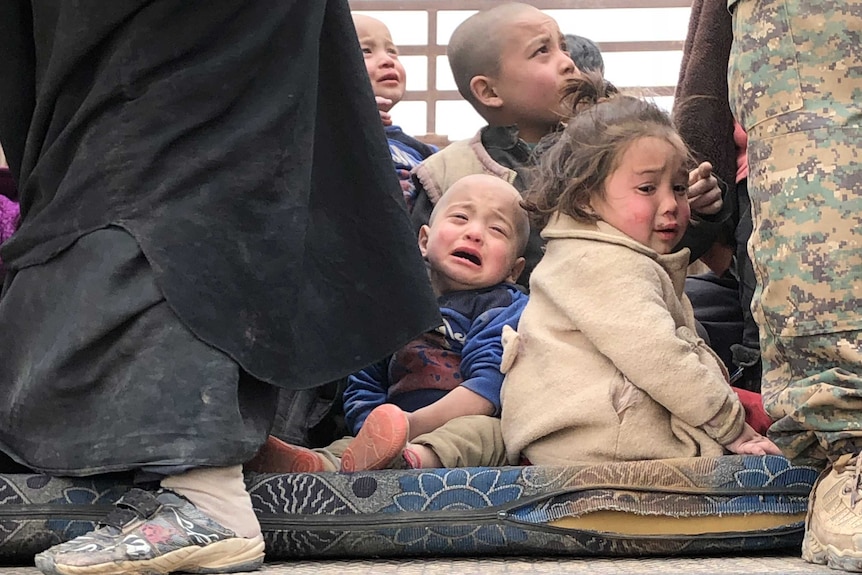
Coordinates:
514 74
441 392
511 63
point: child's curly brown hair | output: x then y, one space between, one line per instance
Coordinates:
574 163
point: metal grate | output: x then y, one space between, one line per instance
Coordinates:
432 50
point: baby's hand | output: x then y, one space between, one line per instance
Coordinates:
750 442
383 106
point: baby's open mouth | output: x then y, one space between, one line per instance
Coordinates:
468 256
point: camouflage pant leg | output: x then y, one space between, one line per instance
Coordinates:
795 79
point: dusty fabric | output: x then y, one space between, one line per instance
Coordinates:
111 380
605 365
240 145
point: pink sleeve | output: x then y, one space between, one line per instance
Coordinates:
8 218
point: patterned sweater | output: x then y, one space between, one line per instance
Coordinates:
465 351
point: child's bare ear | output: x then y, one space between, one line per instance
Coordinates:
517 269
483 90
423 240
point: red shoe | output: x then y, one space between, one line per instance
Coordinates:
380 440
276 456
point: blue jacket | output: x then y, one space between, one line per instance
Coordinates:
465 351
407 153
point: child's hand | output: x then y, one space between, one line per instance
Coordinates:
750 442
704 195
383 106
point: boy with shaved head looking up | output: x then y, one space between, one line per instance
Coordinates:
511 64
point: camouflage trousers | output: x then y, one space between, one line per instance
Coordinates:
795 85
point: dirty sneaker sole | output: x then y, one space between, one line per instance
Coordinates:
226 556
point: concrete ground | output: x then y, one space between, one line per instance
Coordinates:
752 565
773 563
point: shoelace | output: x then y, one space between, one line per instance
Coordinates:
854 488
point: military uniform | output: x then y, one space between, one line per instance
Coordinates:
795 85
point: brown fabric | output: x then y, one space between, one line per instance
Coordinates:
606 365
701 111
469 441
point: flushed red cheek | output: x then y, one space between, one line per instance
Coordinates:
641 218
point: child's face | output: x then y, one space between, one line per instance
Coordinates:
534 67
472 240
645 197
388 79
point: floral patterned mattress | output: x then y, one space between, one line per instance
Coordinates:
667 507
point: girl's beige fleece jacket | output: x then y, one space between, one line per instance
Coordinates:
606 365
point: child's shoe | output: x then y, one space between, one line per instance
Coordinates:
381 439
154 533
833 528
277 456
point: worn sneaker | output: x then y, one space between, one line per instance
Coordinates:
833 528
154 534
277 456
379 442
